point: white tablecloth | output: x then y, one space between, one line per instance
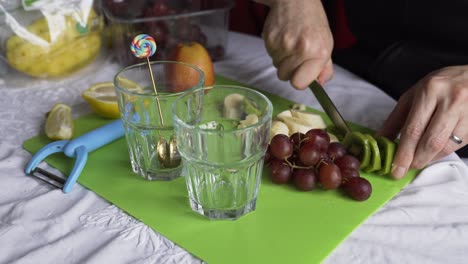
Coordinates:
427 222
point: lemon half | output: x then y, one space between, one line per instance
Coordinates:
59 122
102 98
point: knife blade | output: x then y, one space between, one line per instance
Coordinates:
329 107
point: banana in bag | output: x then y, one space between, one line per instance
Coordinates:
64 37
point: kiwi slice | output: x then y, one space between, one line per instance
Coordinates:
357 144
387 150
250 107
375 162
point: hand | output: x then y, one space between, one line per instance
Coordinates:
426 116
298 38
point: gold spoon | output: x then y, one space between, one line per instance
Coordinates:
168 155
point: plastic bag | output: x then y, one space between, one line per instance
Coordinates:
48 38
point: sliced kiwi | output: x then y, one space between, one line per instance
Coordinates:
375 162
250 107
387 150
357 144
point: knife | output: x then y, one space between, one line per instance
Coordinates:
329 107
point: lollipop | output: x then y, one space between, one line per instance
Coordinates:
143 46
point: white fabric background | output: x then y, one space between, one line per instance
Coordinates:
427 222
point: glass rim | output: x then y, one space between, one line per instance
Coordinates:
260 122
199 84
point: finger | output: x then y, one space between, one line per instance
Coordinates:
326 74
270 39
412 131
280 58
397 117
288 66
461 132
435 137
307 72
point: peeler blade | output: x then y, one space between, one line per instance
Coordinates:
48 177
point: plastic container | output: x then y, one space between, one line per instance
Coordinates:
169 23
42 39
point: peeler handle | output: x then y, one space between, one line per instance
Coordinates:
96 138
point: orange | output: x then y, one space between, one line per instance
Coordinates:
192 53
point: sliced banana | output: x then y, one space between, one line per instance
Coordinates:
286 113
309 119
301 121
233 106
278 127
295 125
300 107
249 120
333 138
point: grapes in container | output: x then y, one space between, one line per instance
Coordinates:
169 22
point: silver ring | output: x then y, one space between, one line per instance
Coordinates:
456 139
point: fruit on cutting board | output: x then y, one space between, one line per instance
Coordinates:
331 165
192 53
59 122
102 99
374 153
387 151
296 120
74 47
310 160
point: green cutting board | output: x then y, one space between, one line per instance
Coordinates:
288 226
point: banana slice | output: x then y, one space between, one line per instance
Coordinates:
249 120
333 138
295 125
309 119
300 107
278 127
233 106
286 113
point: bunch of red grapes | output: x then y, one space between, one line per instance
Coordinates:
167 32
310 160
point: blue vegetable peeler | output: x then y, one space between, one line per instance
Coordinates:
77 148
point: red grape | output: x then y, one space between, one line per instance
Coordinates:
297 139
319 137
281 147
304 179
349 173
357 188
348 162
336 150
309 159
160 8
295 160
159 31
309 155
330 176
280 172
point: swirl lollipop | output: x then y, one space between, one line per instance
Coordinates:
144 46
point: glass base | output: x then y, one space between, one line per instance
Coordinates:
220 214
161 175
